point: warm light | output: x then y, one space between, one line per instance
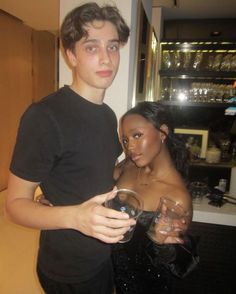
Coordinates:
182 96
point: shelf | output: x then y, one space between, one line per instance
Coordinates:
197 104
188 45
190 74
203 163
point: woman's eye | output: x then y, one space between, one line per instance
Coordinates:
125 142
137 135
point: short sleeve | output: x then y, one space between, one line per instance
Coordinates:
38 144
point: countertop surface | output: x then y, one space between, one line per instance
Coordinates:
205 213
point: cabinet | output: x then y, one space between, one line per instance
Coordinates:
197 83
198 29
198 71
216 270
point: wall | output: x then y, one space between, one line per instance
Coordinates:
119 95
157 22
15 84
20 56
44 62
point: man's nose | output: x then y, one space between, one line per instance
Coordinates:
104 56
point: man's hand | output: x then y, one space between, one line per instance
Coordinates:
93 219
105 224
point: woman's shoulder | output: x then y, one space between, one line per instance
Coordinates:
175 189
126 165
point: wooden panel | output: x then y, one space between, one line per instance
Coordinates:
44 64
15 84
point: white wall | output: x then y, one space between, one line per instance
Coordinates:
119 95
157 21
147 5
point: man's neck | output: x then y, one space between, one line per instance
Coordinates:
93 95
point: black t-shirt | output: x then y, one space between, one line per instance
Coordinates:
70 146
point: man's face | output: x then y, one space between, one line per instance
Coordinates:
96 57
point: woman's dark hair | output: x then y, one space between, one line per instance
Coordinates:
73 26
157 114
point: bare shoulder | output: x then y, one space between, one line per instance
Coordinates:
180 194
122 167
175 189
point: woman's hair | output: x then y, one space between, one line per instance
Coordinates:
74 25
157 114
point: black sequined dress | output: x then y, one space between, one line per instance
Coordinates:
140 264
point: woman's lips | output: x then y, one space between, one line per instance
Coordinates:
135 157
104 73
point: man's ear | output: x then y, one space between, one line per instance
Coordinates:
71 57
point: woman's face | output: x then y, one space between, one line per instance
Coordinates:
141 140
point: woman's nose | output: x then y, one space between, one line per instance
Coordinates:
130 146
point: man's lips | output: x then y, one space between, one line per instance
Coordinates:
104 73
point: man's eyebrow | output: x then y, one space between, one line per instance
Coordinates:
97 41
90 41
114 40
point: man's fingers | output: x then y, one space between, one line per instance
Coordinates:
109 240
100 199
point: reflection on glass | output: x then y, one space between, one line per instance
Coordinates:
166 62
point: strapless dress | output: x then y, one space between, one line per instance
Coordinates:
140 265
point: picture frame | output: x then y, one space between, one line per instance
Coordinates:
201 135
143 35
152 71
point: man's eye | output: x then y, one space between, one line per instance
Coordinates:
91 49
113 47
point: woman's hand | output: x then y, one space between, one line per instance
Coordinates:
170 226
42 200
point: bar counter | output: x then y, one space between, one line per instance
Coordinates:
205 213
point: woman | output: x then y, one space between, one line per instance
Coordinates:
154 162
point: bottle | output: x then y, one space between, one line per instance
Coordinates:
222 185
213 155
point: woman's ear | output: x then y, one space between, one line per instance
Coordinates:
164 132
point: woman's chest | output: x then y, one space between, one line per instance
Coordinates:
149 194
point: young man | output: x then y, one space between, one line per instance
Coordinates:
68 145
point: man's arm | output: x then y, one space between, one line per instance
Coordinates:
90 217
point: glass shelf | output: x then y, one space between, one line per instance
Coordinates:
184 74
198 104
